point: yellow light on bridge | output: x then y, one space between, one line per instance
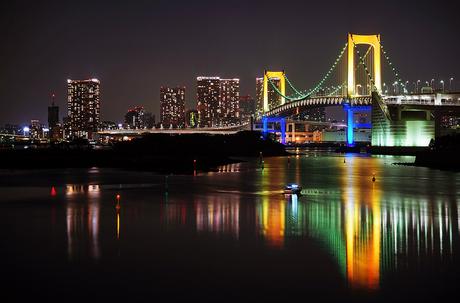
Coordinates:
372 40
270 75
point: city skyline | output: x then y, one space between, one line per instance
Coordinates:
245 150
125 56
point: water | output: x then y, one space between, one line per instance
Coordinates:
232 235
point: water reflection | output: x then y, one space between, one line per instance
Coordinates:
369 233
218 215
83 221
362 225
214 214
270 218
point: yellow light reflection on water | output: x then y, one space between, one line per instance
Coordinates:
362 225
273 222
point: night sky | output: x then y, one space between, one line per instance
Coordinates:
134 47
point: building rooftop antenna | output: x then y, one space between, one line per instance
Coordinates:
53 96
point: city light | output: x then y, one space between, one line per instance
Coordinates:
333 177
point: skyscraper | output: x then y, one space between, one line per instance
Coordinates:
228 107
35 129
83 108
55 131
135 117
207 97
172 106
53 115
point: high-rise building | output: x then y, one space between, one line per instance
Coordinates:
134 118
55 129
35 129
207 97
247 108
53 115
228 108
83 108
172 106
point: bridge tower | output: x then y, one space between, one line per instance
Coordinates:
281 76
374 41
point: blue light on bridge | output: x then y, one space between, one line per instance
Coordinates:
351 123
281 121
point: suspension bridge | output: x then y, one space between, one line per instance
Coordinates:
354 82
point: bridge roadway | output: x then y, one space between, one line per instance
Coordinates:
179 131
434 102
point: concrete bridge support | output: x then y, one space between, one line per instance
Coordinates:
266 129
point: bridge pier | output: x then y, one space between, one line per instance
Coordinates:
350 126
350 110
266 130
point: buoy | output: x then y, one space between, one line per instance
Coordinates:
373 178
117 206
344 160
53 192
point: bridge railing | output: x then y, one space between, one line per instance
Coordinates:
422 100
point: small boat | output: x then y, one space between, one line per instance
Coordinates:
292 189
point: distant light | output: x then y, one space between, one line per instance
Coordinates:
120 125
26 129
46 129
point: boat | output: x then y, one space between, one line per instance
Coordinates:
292 189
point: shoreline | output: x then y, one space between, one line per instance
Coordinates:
184 154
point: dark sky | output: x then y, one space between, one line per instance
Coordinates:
133 47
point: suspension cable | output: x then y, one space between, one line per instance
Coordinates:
395 72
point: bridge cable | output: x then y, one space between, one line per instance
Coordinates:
306 93
395 72
302 96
